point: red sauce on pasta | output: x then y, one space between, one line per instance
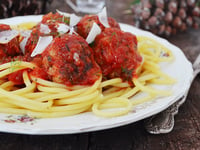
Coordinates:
69 59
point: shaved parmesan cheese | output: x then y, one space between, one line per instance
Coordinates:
23 44
43 42
71 31
7 36
76 57
73 22
63 28
103 18
63 13
25 34
74 19
44 29
93 33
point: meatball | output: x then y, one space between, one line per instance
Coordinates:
116 53
69 60
86 23
12 47
47 27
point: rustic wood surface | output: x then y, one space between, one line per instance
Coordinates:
185 135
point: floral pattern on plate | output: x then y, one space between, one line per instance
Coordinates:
19 119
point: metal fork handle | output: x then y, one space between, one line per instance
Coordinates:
164 121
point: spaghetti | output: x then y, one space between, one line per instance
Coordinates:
43 98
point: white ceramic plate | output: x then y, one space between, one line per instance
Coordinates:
180 69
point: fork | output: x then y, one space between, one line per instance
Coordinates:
164 121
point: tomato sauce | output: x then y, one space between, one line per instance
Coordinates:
4 27
12 47
116 53
86 23
52 21
69 60
17 76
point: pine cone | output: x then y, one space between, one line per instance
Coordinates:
166 17
9 8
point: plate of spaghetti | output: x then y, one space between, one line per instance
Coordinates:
62 74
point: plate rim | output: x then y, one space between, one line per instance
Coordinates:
20 130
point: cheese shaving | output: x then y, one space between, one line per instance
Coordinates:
44 29
93 33
43 42
7 36
103 18
25 34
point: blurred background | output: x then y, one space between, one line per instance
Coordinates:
162 17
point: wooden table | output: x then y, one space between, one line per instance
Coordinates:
185 135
